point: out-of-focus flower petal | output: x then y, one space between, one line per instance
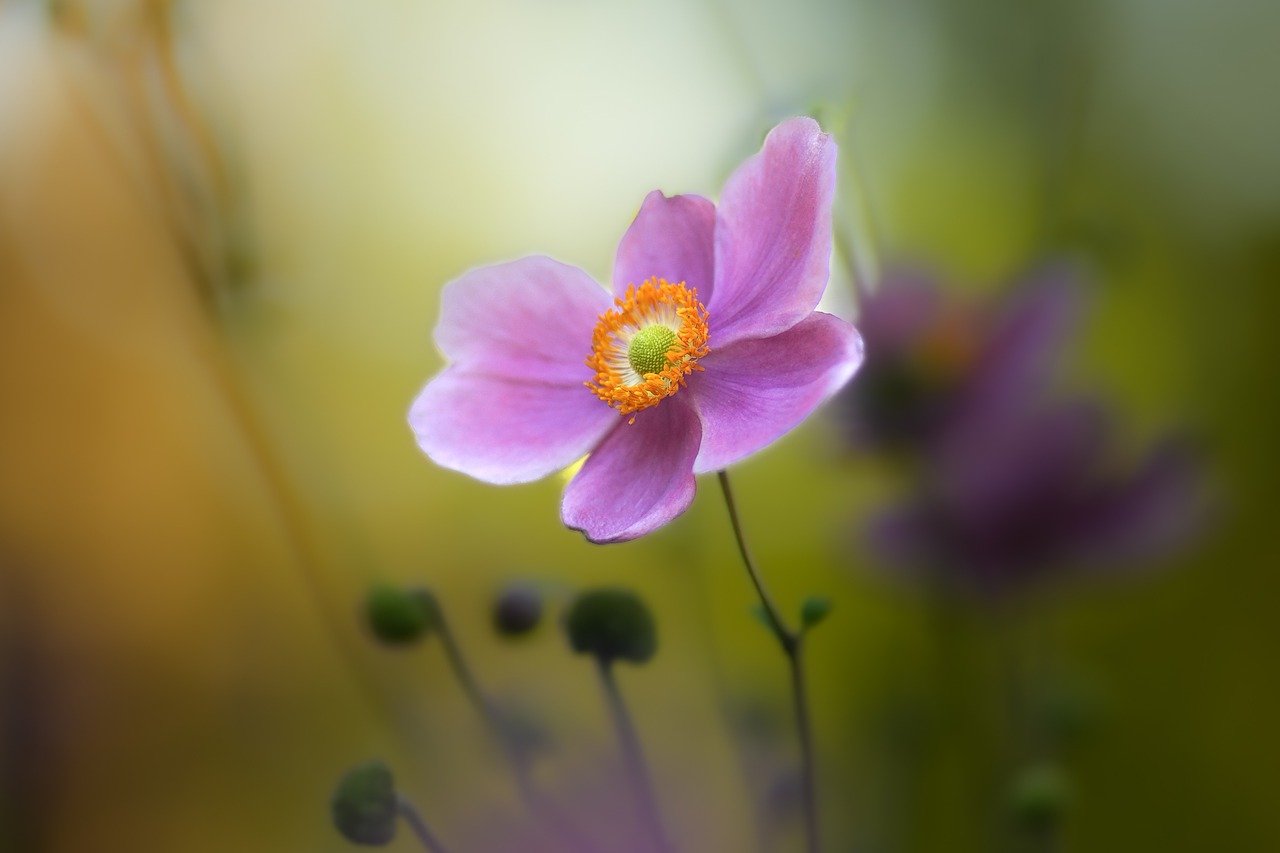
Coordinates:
639 478
505 430
773 235
1023 472
1159 506
904 307
529 319
902 537
755 391
1023 343
671 238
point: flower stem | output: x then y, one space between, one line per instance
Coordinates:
540 806
792 643
633 756
419 826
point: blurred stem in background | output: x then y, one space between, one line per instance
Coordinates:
609 625
419 826
132 86
855 231
638 774
540 806
792 644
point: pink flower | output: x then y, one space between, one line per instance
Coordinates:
708 350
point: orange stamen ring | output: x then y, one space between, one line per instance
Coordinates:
656 302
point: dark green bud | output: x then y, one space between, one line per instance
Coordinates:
612 624
1071 714
814 610
1040 796
399 616
517 610
365 805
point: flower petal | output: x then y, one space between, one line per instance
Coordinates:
755 391
1023 343
671 238
639 478
529 319
773 235
503 430
1150 512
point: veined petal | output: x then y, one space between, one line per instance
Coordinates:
773 235
503 430
755 391
639 478
672 239
529 319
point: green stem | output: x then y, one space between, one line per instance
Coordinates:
633 756
792 643
856 233
419 826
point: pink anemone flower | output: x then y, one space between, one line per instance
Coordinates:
708 349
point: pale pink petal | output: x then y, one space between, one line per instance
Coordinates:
639 478
527 319
503 430
671 238
755 391
773 235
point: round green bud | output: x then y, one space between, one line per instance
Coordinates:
612 624
814 610
365 805
1040 795
398 616
648 349
517 610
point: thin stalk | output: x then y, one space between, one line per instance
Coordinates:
534 801
792 643
419 826
856 233
633 756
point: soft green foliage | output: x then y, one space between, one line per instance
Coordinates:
365 806
612 624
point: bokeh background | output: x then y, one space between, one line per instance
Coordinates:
223 231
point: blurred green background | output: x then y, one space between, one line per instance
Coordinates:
223 231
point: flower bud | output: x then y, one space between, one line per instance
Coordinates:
1040 795
814 610
399 616
365 805
517 609
612 624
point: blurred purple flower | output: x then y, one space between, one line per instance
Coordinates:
935 360
714 302
1037 495
1010 482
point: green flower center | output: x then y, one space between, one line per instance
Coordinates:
648 350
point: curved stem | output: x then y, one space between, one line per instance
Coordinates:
792 643
632 754
534 801
419 826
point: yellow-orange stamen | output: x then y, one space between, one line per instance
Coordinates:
656 302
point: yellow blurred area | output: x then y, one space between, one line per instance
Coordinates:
206 368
